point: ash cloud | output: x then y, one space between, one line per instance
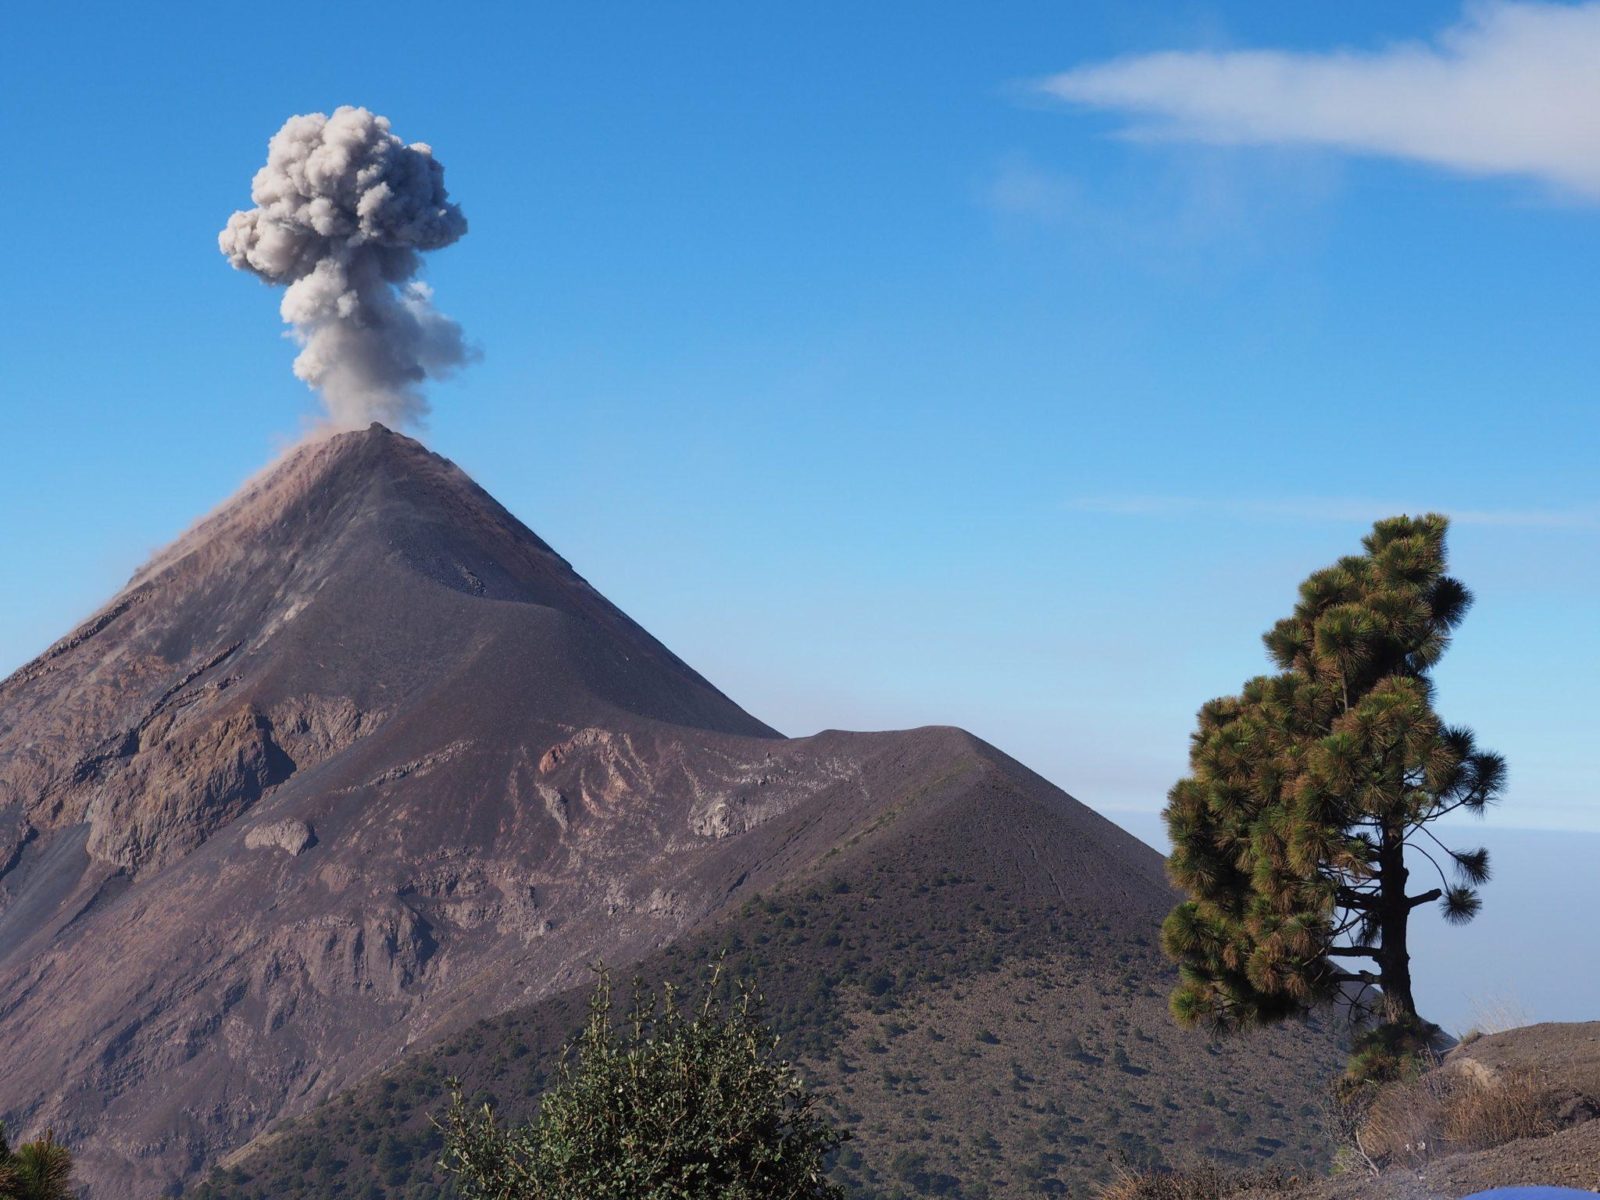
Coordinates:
344 212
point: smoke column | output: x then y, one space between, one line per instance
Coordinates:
344 211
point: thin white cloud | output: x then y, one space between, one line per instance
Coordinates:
1326 509
1023 189
1513 89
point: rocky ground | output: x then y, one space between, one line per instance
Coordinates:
1561 1063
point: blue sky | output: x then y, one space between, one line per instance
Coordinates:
893 363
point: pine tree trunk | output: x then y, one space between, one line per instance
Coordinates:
1394 912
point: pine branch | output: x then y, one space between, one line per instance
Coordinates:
1355 977
1432 815
1350 897
1352 922
1425 898
1442 879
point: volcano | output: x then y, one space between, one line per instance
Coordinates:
360 761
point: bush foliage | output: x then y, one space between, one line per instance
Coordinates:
674 1104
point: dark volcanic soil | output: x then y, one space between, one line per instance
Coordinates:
360 760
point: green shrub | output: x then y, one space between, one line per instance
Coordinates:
673 1105
1394 1051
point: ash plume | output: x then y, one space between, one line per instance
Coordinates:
344 211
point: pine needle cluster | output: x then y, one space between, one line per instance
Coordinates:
36 1170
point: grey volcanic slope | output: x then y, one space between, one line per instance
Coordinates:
969 978
360 760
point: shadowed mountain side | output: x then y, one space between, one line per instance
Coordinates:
970 977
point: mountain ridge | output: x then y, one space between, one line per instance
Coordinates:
941 977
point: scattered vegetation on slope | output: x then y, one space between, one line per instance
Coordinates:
976 1042
1206 1182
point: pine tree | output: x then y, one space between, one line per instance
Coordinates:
1308 790
37 1170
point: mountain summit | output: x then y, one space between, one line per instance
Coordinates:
362 582
360 759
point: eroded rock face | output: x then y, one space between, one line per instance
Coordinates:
381 952
288 783
198 759
176 786
311 727
288 835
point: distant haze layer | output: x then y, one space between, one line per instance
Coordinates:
1525 957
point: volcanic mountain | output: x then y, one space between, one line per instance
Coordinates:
360 761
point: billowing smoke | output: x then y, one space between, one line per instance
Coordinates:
344 210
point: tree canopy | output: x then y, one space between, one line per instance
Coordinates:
37 1170
671 1105
1309 788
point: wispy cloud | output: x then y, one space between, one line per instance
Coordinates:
1513 89
1326 509
1021 188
